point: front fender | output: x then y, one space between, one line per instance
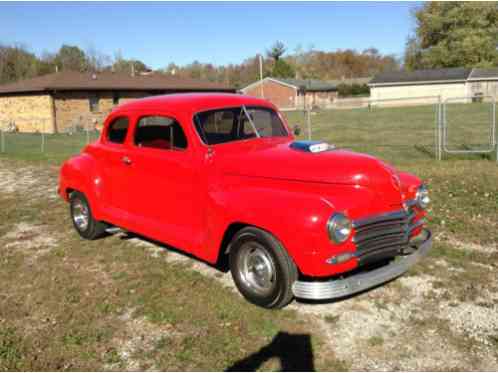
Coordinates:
295 213
409 184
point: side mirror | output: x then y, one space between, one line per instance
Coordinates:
297 130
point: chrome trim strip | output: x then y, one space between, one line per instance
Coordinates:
363 281
400 214
411 202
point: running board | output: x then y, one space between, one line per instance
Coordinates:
114 230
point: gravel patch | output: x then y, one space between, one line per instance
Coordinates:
475 321
34 182
466 246
32 240
137 337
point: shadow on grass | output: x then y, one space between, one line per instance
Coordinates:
221 265
427 150
293 350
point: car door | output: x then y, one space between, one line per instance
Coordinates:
116 166
164 200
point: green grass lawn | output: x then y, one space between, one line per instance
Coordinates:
51 148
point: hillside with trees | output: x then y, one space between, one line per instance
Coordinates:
17 62
454 34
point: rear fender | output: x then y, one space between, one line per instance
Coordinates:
82 173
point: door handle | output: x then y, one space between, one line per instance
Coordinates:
126 160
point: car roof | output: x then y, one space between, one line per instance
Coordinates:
193 102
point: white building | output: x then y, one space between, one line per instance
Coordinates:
425 85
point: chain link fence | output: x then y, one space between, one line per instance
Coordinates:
30 138
392 129
405 128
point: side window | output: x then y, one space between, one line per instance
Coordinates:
217 126
220 122
160 132
266 121
93 102
117 130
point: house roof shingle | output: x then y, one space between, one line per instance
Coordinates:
432 75
70 80
478 74
310 84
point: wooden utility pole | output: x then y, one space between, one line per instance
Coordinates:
261 75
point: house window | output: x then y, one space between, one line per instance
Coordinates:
115 98
94 103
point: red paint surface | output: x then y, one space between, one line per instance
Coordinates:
189 198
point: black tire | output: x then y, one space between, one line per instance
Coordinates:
284 271
93 229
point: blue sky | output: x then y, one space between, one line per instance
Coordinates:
218 33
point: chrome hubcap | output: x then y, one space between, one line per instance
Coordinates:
256 268
80 215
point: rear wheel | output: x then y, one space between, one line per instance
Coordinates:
261 268
82 218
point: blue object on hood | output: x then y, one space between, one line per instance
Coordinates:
311 146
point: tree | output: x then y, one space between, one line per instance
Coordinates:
128 66
71 58
282 69
16 63
276 51
454 34
96 61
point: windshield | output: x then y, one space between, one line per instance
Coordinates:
239 123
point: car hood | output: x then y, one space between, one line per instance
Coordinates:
278 160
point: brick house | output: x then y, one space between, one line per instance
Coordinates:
66 100
293 94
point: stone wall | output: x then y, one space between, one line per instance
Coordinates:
73 110
29 113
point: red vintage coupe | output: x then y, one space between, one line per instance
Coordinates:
221 176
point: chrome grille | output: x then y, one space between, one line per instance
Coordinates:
383 236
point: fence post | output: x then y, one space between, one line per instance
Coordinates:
436 131
308 120
441 120
43 138
494 133
2 141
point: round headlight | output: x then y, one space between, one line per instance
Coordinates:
422 197
339 227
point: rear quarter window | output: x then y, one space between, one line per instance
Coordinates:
116 133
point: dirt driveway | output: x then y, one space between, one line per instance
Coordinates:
442 315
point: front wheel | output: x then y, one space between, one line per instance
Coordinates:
261 268
82 218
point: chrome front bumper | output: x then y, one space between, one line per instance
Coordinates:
366 280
